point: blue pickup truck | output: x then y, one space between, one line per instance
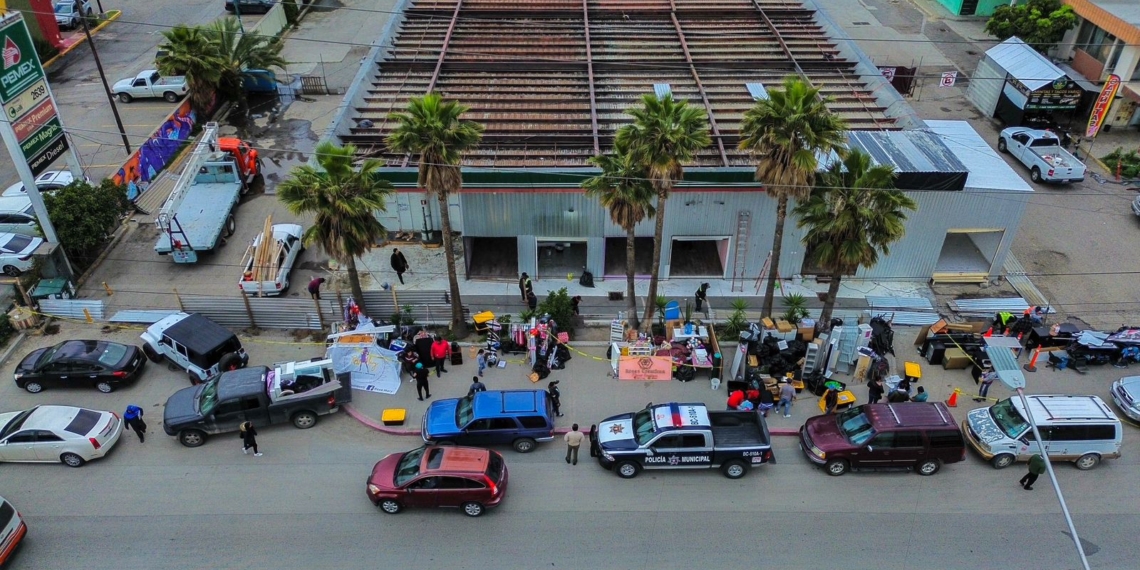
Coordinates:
520 418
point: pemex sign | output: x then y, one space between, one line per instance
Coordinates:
29 108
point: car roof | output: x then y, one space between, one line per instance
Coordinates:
909 414
452 459
52 417
677 415
82 349
1065 408
198 334
502 403
7 238
242 382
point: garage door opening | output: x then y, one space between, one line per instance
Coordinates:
967 256
701 257
492 258
615 256
557 259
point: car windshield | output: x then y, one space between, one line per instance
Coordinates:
64 8
643 426
112 354
208 398
855 425
1008 419
409 466
464 411
17 243
16 423
48 355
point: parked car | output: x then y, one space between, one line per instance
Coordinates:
96 363
16 253
12 530
251 6
148 84
195 344
21 220
69 14
46 434
46 182
468 478
1081 429
495 417
922 435
1126 396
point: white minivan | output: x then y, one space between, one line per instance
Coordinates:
1081 429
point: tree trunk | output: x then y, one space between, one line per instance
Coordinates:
658 232
777 244
458 325
829 302
354 283
630 291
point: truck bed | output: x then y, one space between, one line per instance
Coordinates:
738 429
1056 157
202 215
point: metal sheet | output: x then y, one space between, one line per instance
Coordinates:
905 317
913 303
1024 63
992 305
72 308
142 316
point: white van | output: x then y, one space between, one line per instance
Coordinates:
12 530
1081 429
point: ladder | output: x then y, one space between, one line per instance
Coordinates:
740 256
763 272
206 145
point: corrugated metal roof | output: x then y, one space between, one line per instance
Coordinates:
987 170
913 152
1024 63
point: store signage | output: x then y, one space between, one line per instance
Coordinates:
1063 94
645 368
948 79
33 120
25 101
1100 109
30 114
889 72
20 66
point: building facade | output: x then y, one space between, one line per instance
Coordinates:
1106 42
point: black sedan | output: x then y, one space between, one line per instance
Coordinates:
103 365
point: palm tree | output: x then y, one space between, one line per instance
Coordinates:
430 127
664 134
851 215
343 202
787 132
191 52
241 51
624 189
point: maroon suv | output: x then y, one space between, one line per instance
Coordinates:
469 478
921 435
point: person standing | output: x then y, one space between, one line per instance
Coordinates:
399 264
133 418
984 387
525 286
422 376
573 442
440 351
701 297
787 396
476 386
574 302
555 397
1036 468
831 401
481 360
248 436
531 300
315 287
594 440
875 391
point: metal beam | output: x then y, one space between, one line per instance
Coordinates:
446 43
590 74
783 44
700 87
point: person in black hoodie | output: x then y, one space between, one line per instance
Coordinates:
248 439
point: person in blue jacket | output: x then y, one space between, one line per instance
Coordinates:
133 418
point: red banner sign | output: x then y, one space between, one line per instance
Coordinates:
1100 110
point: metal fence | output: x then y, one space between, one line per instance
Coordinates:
72 308
427 307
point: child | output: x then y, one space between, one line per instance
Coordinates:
481 360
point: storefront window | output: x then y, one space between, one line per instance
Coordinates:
1098 43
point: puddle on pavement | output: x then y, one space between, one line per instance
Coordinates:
282 142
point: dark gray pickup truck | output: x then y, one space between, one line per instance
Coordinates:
294 392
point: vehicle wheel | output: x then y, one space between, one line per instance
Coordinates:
928 467
473 509
1087 461
230 361
1035 174
231 226
170 96
1002 461
152 354
71 460
837 467
735 469
524 445
191 438
304 420
12 271
390 506
125 97
1002 146
627 469
34 387
104 387
194 378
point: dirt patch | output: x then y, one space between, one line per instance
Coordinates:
1045 261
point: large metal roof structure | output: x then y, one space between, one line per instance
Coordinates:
551 79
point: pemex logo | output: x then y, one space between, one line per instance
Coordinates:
11 53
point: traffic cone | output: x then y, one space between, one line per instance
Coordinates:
1032 366
989 332
953 401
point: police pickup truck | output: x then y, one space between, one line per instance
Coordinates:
682 436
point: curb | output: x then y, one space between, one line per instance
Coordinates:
16 342
112 15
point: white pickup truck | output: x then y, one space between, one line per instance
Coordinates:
266 273
1042 154
149 84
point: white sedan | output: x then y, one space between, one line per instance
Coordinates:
16 253
1126 395
46 182
47 434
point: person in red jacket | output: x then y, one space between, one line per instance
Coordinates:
440 351
735 399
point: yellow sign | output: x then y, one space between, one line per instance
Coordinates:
26 101
645 368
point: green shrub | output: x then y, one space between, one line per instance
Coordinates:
1127 161
84 217
6 329
561 309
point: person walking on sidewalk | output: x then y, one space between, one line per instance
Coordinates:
481 360
701 297
787 395
1036 468
422 375
525 286
440 351
133 418
476 386
573 442
555 397
399 264
315 288
248 439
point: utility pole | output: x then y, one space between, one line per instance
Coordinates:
106 88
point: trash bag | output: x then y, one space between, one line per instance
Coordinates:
562 353
542 370
685 373
587 279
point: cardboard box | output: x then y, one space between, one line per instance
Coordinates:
955 359
784 326
768 323
808 333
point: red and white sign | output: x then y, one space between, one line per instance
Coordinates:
1100 109
889 72
948 78
34 119
645 368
